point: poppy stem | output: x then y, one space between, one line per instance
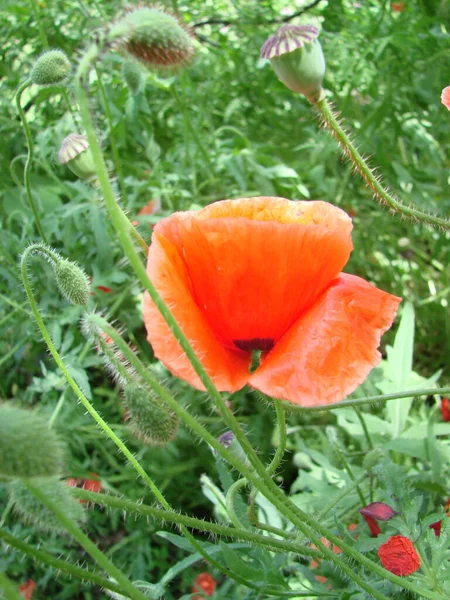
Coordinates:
101 559
332 122
30 156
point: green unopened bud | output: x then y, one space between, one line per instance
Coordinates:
373 458
153 36
28 448
76 154
32 512
151 421
133 76
52 68
72 281
297 59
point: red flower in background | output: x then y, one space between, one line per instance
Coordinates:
27 588
204 583
377 511
152 207
399 556
398 6
445 409
445 97
90 485
264 274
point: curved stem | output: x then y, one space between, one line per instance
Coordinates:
282 435
231 494
58 564
373 182
26 172
101 559
369 399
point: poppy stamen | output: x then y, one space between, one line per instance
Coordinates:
262 344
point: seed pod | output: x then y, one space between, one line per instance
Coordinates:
153 36
296 57
31 511
150 420
52 68
76 154
72 282
28 448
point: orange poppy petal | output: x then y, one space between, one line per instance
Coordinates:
256 264
228 369
445 97
331 349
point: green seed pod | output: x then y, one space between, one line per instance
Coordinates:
28 448
52 68
150 420
72 281
76 154
373 458
153 36
296 57
32 512
133 76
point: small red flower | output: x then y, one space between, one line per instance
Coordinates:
379 511
90 485
152 207
437 526
204 583
399 556
445 97
398 6
104 289
445 409
264 274
27 588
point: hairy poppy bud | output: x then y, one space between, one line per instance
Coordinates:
72 281
151 421
76 154
28 448
33 512
52 68
153 36
296 57
133 76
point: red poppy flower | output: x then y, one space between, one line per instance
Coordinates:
445 409
445 97
27 588
152 207
90 485
265 274
399 556
204 583
377 511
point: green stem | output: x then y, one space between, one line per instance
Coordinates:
112 137
329 120
57 409
369 399
11 590
231 494
58 564
30 155
176 518
365 429
89 546
282 438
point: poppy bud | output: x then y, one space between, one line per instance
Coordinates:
133 76
379 511
52 68
151 421
28 448
76 154
153 36
296 57
399 556
72 281
31 511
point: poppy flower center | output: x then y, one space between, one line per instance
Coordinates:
263 344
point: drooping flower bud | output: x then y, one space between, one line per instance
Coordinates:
133 76
76 154
153 36
28 448
52 68
151 421
296 57
31 511
72 281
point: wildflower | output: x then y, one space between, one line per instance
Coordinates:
445 97
399 556
204 583
445 409
152 207
377 511
90 485
263 274
26 589
398 6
